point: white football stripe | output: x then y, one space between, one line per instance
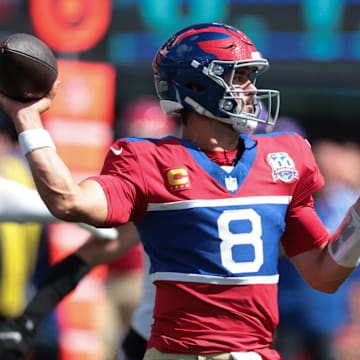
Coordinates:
189 204
210 279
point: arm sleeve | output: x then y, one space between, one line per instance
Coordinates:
304 230
123 184
311 179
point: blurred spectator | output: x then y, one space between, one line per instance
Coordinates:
142 117
19 243
310 320
340 164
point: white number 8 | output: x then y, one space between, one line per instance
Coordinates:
228 240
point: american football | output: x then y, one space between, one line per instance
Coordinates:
28 68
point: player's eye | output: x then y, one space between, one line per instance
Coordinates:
241 78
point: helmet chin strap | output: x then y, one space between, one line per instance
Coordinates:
245 127
243 124
240 125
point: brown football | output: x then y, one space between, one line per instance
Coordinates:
28 68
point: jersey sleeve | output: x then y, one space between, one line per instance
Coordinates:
123 184
311 179
304 230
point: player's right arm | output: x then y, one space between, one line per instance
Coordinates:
66 200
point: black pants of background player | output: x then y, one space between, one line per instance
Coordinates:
133 346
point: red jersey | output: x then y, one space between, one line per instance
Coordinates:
213 236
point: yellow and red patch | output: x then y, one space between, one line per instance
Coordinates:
178 179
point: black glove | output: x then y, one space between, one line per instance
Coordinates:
16 338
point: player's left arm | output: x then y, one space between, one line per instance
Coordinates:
330 261
320 271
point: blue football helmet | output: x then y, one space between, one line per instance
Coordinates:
189 71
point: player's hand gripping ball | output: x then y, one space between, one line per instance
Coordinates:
28 68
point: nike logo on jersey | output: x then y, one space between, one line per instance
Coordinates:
11 335
117 152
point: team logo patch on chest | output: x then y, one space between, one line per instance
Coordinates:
178 179
283 167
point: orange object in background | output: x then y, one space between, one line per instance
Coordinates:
80 316
81 116
86 92
70 25
85 308
64 239
80 122
79 345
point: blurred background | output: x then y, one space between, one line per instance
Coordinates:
104 50
313 45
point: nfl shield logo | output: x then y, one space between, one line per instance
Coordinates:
231 183
283 167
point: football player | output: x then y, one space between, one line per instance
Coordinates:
210 207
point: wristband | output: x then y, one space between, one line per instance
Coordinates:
345 247
33 139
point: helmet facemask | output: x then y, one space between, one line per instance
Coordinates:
265 102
